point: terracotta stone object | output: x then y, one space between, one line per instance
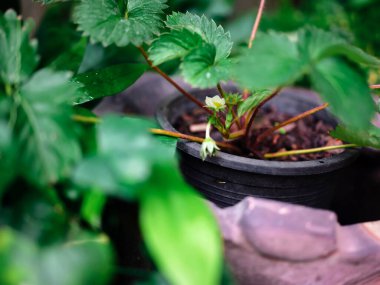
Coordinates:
273 243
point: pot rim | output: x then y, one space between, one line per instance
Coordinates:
252 165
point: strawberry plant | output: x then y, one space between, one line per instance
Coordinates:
262 69
272 62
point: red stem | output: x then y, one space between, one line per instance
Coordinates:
171 81
250 122
256 24
224 145
253 35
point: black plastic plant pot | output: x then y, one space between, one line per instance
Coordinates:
226 179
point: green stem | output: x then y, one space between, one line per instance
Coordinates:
305 151
101 239
221 91
53 197
223 94
85 119
236 119
256 110
208 129
8 89
237 134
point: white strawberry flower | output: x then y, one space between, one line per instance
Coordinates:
215 103
209 146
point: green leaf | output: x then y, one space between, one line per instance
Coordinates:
71 59
229 119
44 128
361 3
18 56
56 25
86 259
126 155
180 230
346 91
97 173
314 42
18 257
252 101
92 207
8 151
188 32
98 57
107 81
104 21
170 142
202 45
272 61
172 45
87 135
233 99
317 44
199 67
207 29
352 53
367 138
220 8
39 215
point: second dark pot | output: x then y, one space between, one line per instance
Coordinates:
227 179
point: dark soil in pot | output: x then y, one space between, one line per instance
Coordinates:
310 132
226 179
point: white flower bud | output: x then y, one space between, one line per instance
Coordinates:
208 148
